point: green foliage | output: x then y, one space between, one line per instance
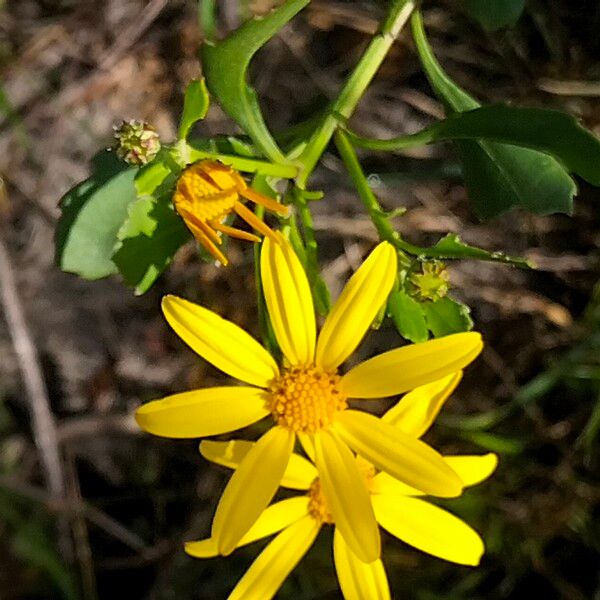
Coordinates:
92 214
148 240
451 246
408 316
226 64
195 106
31 542
446 316
498 177
549 131
495 14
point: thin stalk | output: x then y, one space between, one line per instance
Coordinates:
249 165
319 288
376 213
207 17
355 87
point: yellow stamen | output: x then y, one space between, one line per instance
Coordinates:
305 399
207 192
317 504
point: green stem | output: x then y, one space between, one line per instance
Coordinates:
207 19
320 291
249 165
356 85
376 213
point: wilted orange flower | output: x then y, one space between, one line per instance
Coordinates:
207 192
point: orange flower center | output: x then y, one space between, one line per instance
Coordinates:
317 504
206 192
305 399
318 508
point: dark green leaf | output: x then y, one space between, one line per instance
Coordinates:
195 106
31 544
447 316
226 64
495 14
495 443
148 240
549 131
92 214
407 316
498 177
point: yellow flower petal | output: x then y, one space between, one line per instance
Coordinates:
276 561
402 456
220 342
470 469
276 517
415 413
357 306
358 580
200 413
308 444
408 367
473 469
299 473
289 301
385 484
346 494
251 488
429 529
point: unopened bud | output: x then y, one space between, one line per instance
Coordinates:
430 283
137 142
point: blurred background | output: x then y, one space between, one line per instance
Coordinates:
107 519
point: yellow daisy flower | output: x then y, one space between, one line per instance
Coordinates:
207 192
398 508
307 398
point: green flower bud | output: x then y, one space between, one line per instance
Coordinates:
430 283
137 142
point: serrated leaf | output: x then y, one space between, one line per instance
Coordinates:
498 177
407 316
226 64
446 316
452 247
495 14
92 214
195 106
148 240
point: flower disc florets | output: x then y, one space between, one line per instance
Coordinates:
305 399
317 504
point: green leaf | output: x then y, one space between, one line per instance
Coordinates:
195 106
549 131
92 214
407 316
495 14
494 443
498 177
31 544
226 64
452 247
148 240
153 175
447 316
